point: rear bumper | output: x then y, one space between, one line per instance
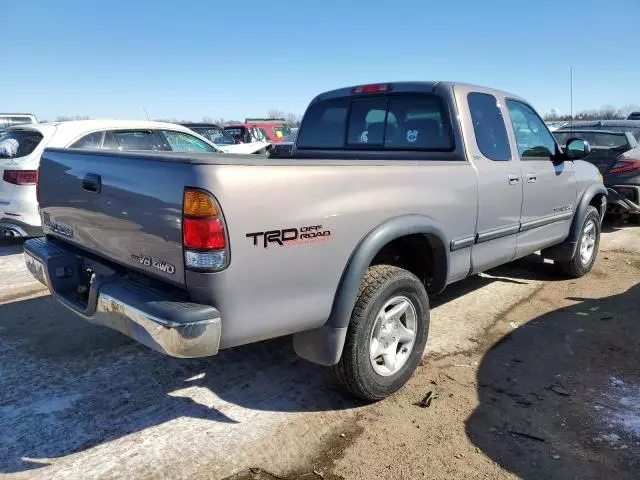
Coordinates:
11 227
157 319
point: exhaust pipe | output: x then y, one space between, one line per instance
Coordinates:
11 231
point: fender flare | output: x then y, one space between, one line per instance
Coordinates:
324 345
566 250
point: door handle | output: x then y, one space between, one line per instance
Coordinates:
531 178
514 180
92 183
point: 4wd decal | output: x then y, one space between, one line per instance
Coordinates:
290 236
148 261
57 227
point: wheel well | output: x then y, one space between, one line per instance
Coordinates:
424 255
596 202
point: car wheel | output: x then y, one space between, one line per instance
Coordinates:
387 333
587 249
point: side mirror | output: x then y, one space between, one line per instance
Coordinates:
577 148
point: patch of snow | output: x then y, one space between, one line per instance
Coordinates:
610 438
616 382
41 406
622 413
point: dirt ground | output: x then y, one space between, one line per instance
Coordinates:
530 376
552 390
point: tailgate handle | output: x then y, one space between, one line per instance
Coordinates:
92 183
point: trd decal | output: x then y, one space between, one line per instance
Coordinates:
148 261
290 236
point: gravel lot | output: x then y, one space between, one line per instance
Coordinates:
80 401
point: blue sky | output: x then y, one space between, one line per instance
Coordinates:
191 59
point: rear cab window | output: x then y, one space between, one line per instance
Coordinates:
402 121
18 143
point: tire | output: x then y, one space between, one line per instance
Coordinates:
394 288
578 266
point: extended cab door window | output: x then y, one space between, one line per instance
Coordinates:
532 136
489 127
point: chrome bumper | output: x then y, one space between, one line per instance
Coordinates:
165 324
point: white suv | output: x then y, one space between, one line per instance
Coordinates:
22 145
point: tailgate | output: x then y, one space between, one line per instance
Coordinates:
126 208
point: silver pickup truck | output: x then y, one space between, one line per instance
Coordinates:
392 192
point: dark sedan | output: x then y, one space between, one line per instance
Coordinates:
615 150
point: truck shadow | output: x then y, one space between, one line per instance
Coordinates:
69 385
559 397
10 246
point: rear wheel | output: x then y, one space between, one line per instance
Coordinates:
587 249
386 335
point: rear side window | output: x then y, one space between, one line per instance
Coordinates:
18 143
92 141
400 122
126 140
489 127
595 138
183 142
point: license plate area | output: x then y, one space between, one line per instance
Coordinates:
36 268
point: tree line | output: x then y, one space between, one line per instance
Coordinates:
607 112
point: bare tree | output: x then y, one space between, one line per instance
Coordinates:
207 120
67 118
607 112
293 119
275 113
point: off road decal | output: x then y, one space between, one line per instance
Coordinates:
290 236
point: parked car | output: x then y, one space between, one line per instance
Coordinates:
395 191
634 116
224 141
8 119
553 126
285 147
615 150
22 145
266 130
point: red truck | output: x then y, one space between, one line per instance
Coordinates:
271 130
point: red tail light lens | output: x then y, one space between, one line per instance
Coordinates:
204 234
624 165
21 177
374 88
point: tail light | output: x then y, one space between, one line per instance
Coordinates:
21 177
38 186
203 232
624 165
374 88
